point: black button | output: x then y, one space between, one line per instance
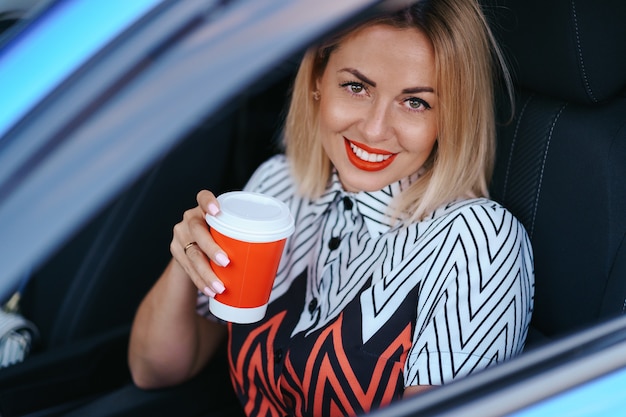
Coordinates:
333 243
347 203
278 355
312 305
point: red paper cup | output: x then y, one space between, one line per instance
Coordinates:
252 229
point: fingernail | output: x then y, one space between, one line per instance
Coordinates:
213 209
218 287
209 292
222 259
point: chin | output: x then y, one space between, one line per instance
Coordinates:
363 184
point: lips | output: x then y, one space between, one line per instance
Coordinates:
366 158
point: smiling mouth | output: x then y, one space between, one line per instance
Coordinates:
366 158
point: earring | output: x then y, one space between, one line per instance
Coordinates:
316 95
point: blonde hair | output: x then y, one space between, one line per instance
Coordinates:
461 163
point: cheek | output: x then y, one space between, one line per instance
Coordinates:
335 115
421 139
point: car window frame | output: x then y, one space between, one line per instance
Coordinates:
71 130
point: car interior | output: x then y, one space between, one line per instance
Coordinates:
560 168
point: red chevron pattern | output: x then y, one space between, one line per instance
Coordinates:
327 385
251 365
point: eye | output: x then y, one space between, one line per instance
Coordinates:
356 88
416 104
353 87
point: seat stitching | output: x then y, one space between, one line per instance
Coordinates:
580 55
543 166
513 143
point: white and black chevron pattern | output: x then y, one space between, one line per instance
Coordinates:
470 261
477 294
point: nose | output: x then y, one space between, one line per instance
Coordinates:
376 125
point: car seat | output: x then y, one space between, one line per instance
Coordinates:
561 160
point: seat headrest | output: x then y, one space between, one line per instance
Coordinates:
569 49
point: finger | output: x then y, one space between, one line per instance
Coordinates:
191 263
198 231
208 202
206 280
196 265
195 260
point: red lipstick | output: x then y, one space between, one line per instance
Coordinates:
367 165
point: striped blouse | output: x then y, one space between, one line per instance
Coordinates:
363 307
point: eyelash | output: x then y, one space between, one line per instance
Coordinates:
347 86
423 104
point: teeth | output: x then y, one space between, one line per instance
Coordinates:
366 156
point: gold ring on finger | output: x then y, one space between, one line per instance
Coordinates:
188 245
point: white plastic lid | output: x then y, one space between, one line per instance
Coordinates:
252 217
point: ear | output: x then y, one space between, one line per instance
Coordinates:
316 92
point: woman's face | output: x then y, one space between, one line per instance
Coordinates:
378 106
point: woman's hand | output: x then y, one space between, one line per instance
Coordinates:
192 245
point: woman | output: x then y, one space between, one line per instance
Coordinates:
401 274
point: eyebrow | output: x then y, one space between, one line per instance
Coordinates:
416 90
360 76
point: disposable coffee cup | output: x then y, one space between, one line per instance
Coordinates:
252 229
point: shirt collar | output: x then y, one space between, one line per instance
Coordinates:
372 205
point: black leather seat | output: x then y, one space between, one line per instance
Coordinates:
561 164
